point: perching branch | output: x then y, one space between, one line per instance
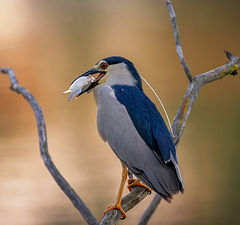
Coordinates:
138 193
62 183
128 202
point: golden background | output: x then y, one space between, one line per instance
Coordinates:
49 43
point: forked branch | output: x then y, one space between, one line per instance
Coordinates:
190 96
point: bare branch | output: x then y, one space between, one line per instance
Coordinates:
177 40
62 183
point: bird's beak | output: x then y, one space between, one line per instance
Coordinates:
84 83
89 72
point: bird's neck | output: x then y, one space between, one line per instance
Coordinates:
101 91
120 77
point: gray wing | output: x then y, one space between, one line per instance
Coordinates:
116 127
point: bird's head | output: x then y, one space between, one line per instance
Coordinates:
113 70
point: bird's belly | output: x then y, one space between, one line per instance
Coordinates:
116 127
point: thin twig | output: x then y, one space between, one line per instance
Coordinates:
62 183
177 40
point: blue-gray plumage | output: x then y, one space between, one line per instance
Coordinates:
133 127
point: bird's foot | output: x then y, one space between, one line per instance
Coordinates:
136 182
116 206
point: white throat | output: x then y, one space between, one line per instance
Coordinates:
119 74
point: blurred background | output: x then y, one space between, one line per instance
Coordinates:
49 43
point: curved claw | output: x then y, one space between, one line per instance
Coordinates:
109 208
136 182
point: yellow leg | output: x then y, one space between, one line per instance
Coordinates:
117 205
136 182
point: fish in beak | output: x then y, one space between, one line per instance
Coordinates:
84 83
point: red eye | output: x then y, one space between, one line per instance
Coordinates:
103 65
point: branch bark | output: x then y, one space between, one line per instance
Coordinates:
193 89
177 40
128 202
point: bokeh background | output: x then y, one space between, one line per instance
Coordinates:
48 43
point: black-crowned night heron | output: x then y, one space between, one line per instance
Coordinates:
132 126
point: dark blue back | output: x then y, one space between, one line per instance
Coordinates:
147 120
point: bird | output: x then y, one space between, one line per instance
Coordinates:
133 127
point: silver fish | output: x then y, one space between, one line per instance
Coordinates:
79 85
